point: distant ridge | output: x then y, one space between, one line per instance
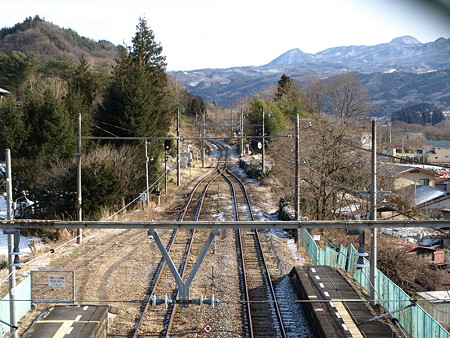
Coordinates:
291 57
404 52
401 72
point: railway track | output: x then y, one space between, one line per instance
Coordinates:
179 248
260 314
261 310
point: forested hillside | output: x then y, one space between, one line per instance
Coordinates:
48 91
35 35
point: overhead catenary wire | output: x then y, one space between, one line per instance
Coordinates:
378 153
53 250
104 130
233 301
114 126
357 193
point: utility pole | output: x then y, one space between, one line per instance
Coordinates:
203 138
373 216
178 149
241 134
263 155
147 193
232 129
297 168
79 198
11 266
165 172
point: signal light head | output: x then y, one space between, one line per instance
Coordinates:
167 145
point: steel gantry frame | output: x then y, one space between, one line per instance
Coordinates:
213 227
217 225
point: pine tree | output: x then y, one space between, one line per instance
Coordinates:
51 131
288 96
137 100
83 91
12 128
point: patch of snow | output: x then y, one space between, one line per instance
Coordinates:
24 241
299 259
294 318
2 207
220 216
412 235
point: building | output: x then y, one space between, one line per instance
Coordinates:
418 184
437 306
3 93
443 181
405 176
436 151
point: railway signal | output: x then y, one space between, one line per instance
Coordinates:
167 145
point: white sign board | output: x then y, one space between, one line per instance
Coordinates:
57 281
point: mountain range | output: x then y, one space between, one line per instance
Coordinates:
401 72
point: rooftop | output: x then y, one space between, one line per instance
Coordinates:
437 144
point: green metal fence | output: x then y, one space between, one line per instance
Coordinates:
414 320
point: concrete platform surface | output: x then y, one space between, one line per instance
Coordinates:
72 321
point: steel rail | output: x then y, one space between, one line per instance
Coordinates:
162 264
170 315
260 254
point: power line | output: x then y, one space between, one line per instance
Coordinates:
108 132
378 153
354 192
111 125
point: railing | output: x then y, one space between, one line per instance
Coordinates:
414 320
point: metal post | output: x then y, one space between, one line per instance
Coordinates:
165 172
147 193
178 149
263 160
373 216
232 129
203 139
79 198
11 267
297 168
241 134
73 287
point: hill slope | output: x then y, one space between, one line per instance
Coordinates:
35 35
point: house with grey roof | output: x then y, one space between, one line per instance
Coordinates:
406 175
437 151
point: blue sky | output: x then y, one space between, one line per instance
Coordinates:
225 33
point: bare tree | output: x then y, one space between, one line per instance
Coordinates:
348 97
342 96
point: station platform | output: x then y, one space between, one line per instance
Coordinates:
72 321
335 317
